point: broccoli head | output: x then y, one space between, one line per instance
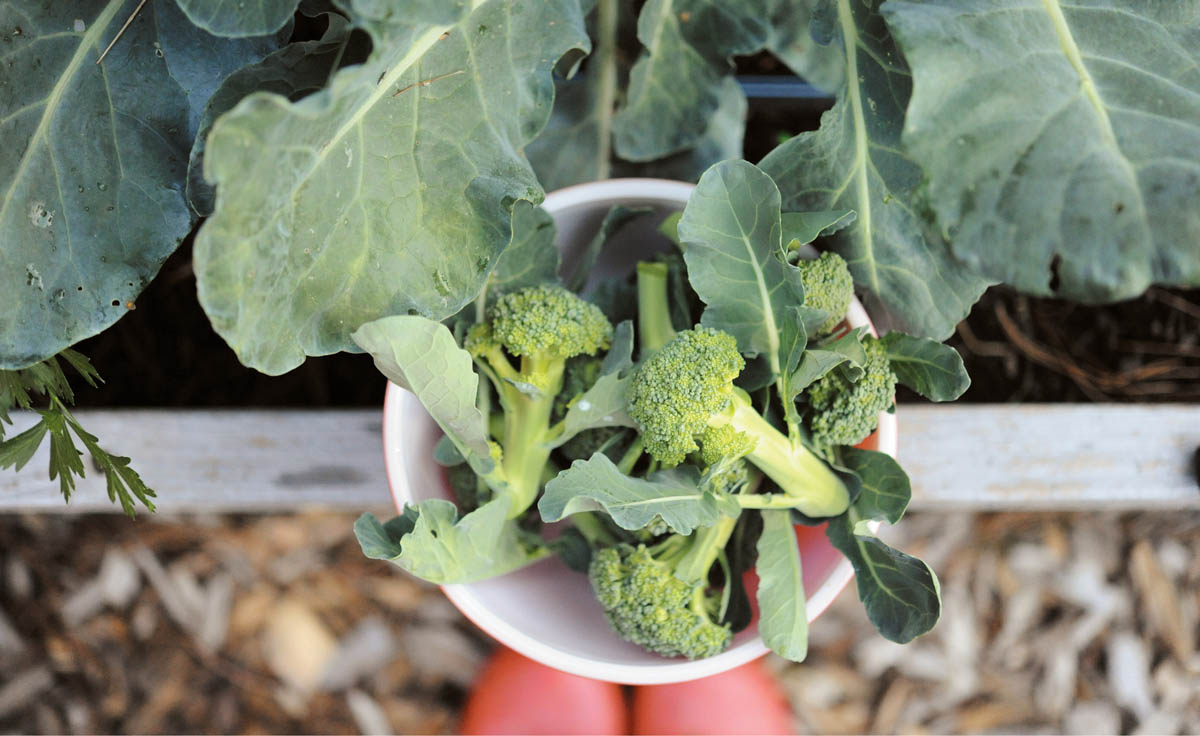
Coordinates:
544 327
647 602
685 389
846 411
828 286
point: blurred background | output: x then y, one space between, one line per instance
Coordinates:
1052 623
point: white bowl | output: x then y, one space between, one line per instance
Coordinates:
546 611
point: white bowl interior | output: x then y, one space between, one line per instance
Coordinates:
546 611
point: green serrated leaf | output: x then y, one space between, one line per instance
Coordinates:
66 461
783 619
1060 138
854 161
928 367
885 489
420 355
388 192
15 452
596 484
900 592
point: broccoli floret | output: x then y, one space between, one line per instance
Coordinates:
543 326
686 387
846 411
828 286
658 597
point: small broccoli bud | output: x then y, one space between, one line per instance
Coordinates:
828 286
723 442
680 387
549 322
846 411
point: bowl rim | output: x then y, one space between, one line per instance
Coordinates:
669 670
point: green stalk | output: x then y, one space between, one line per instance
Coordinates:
816 489
707 543
526 432
593 529
654 310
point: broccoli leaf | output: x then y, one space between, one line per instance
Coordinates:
604 404
900 592
783 620
596 484
91 177
885 489
743 554
801 228
388 192
854 161
420 355
818 361
293 71
928 367
243 18
731 229
531 258
1059 139
442 548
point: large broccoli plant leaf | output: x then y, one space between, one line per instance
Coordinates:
1060 138
388 192
92 167
783 623
911 280
243 18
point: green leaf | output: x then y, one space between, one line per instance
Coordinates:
928 367
199 61
683 78
293 71
900 592
442 548
531 258
15 452
66 461
92 173
243 18
596 484
420 355
618 216
82 366
619 357
121 481
783 620
388 192
1060 138
801 228
885 487
602 405
731 229
821 65
854 162
818 361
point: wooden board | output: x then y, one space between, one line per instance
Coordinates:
965 456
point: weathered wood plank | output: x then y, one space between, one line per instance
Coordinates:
959 456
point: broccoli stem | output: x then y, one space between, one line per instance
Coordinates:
815 489
526 430
631 456
654 310
593 529
706 545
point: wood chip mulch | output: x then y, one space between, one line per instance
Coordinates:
1052 623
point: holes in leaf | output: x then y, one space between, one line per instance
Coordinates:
116 302
1055 281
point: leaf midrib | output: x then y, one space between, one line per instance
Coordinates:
90 38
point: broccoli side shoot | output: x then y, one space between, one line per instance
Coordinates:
658 597
828 286
683 391
846 411
542 326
